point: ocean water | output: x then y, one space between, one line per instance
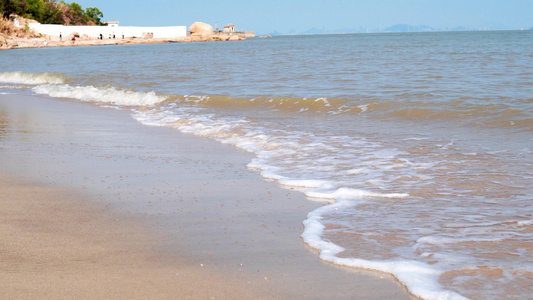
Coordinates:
420 145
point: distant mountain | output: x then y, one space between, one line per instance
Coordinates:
408 28
314 31
275 32
460 28
361 29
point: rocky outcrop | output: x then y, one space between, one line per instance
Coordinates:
220 36
235 38
201 30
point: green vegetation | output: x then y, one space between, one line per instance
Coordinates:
52 12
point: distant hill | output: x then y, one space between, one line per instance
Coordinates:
460 28
408 28
361 29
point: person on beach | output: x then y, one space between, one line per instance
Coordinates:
60 36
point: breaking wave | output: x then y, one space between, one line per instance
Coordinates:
32 78
489 115
108 95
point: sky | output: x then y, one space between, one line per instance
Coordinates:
300 16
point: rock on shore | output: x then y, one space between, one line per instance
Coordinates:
201 30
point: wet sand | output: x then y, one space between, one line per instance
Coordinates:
58 245
99 206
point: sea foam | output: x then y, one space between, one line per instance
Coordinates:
109 95
421 280
32 78
278 155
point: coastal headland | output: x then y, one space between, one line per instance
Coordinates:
19 32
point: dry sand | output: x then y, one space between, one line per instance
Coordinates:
95 205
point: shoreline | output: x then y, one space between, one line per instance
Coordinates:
165 200
51 42
15 36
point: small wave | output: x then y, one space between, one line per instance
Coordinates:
525 223
421 280
288 104
32 78
109 95
484 115
307 183
440 240
489 115
349 193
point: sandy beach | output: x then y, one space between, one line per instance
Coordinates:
96 205
45 41
53 41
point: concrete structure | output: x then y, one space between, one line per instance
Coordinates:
229 28
112 29
111 23
245 34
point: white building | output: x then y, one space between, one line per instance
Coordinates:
111 30
229 28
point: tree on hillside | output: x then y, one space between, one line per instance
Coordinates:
35 9
95 14
76 15
51 12
8 7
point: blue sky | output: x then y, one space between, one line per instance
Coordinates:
297 16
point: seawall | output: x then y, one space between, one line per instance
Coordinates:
110 31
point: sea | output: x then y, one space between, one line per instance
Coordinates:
419 145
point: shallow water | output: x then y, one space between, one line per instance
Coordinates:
420 142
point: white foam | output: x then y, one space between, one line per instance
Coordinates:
324 100
11 87
302 183
441 240
109 95
358 171
272 173
525 223
420 279
31 78
349 193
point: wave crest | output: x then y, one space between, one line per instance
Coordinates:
289 104
109 95
32 78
